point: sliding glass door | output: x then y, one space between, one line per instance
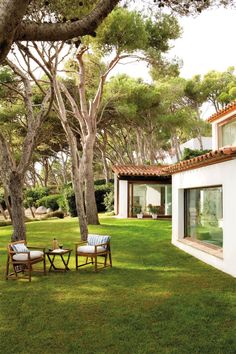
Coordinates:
142 195
204 215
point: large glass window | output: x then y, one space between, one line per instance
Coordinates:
204 215
228 134
144 195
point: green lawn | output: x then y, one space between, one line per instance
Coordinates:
156 299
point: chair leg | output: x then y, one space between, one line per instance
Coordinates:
96 263
110 259
76 261
44 266
30 270
7 267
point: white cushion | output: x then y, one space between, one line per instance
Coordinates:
24 256
90 249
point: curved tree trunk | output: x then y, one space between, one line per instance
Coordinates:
90 200
17 208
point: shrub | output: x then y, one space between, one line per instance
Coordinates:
189 153
100 193
62 202
51 201
100 182
34 194
109 201
70 199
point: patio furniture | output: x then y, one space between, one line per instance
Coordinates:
21 258
54 254
96 247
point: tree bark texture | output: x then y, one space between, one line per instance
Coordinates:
90 200
78 184
11 14
77 166
17 208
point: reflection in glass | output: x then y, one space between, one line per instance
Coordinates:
229 134
204 215
143 195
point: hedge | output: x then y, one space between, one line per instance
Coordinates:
100 193
53 201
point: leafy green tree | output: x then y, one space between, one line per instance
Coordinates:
38 20
219 88
20 123
117 33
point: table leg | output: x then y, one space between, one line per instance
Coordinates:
66 262
51 262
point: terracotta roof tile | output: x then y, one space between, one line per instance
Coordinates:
139 170
212 157
229 108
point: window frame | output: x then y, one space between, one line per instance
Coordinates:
186 236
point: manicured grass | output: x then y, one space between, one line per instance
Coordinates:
156 299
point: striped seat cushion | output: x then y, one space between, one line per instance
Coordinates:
19 248
97 239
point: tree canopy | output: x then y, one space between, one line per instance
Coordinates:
55 20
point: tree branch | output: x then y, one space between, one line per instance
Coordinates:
63 31
11 14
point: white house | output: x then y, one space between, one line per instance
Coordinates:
204 196
136 187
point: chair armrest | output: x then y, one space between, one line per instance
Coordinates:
80 243
37 248
106 244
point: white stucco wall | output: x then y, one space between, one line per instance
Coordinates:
123 199
116 181
194 144
219 174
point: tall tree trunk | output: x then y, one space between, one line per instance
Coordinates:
18 215
78 183
90 200
79 200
